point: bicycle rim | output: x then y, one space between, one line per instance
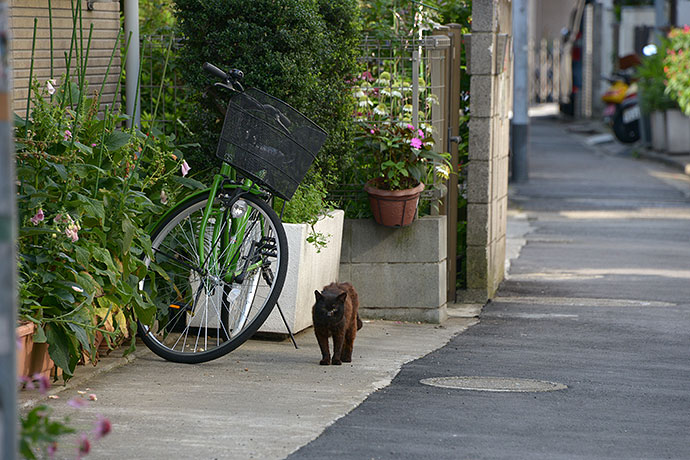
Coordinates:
209 304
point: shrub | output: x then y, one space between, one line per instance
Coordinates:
651 83
301 51
677 67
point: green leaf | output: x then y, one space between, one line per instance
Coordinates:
128 228
189 182
40 335
80 333
60 169
116 140
60 347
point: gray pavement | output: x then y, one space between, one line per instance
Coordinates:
597 299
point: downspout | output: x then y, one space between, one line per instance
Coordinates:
133 104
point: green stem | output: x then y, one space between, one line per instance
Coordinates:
50 21
107 70
31 78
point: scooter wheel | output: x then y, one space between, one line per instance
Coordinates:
625 132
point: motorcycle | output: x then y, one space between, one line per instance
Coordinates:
622 111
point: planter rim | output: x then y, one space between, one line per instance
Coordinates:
369 187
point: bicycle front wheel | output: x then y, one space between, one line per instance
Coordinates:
214 279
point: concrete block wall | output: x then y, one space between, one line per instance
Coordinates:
399 274
490 69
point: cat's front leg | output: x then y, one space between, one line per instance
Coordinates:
338 339
322 339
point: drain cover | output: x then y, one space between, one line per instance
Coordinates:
497 384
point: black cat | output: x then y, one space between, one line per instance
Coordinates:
335 314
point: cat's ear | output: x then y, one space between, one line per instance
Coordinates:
318 295
342 297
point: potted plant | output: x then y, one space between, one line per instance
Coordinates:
400 158
652 95
676 65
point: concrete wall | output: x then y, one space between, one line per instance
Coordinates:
399 274
490 68
105 18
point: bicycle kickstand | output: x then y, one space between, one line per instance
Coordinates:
287 326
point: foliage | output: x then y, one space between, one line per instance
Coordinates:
400 155
651 81
88 190
299 51
677 67
308 205
399 18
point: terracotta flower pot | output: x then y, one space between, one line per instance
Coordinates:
32 358
393 208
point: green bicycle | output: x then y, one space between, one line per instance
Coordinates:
220 255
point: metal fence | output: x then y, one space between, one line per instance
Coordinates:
545 86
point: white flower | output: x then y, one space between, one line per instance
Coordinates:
396 93
442 171
380 110
50 86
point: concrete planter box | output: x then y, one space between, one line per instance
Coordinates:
677 132
399 274
308 270
658 125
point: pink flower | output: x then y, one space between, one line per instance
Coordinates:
68 134
52 450
77 403
84 446
410 127
103 427
38 217
372 131
420 133
72 231
27 382
416 143
93 145
185 168
686 28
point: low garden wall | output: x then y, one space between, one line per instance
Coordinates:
399 274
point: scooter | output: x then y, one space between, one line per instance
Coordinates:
622 111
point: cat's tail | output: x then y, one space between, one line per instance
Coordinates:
359 322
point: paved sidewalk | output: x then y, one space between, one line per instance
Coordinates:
598 300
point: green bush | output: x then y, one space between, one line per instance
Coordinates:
301 51
652 82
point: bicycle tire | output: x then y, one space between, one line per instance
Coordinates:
185 294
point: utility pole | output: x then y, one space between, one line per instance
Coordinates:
8 266
132 64
520 123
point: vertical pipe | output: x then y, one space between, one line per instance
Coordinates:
133 106
8 275
520 123
415 88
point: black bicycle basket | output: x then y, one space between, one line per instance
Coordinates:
268 141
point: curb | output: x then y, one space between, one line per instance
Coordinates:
668 160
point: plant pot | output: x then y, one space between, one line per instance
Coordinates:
308 270
25 343
393 208
677 132
658 124
32 358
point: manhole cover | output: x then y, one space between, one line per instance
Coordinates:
497 384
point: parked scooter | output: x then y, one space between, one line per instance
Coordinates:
622 111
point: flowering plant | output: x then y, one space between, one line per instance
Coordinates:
677 67
87 191
400 155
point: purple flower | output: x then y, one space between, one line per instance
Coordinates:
77 403
103 427
38 217
27 382
68 134
416 143
52 450
43 383
185 168
72 231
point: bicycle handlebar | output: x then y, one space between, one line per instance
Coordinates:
231 76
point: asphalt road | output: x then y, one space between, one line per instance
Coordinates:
598 300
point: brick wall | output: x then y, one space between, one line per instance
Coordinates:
490 67
105 18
